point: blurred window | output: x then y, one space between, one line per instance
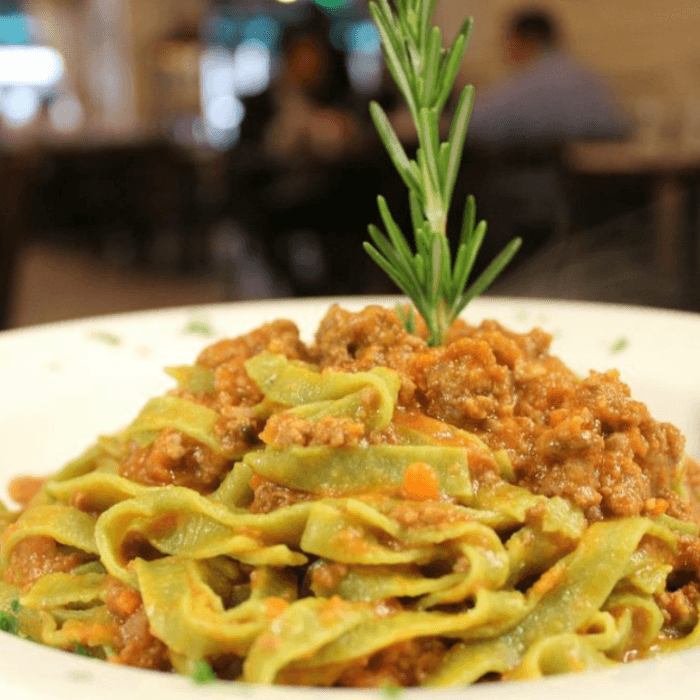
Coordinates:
15 28
252 67
66 113
19 104
364 57
225 76
38 66
238 63
29 74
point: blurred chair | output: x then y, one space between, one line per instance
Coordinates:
125 201
521 192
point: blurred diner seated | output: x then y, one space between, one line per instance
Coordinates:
520 126
308 112
549 97
302 193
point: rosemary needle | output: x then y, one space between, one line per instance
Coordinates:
425 74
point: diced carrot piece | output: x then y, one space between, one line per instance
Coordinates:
275 606
334 611
23 488
420 482
127 602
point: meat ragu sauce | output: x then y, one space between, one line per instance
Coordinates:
582 438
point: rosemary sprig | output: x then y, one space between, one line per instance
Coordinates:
425 74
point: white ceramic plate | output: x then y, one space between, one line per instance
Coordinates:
63 384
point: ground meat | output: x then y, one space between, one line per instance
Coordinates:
133 641
286 429
269 496
238 429
407 663
326 577
463 384
507 345
680 608
136 646
595 446
584 439
687 558
691 482
373 337
369 338
174 458
280 336
234 386
36 556
121 600
426 514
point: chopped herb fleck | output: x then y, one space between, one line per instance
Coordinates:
105 337
81 650
199 326
9 622
14 606
392 691
79 676
203 672
619 345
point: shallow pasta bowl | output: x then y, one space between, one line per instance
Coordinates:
65 383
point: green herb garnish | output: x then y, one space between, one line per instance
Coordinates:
199 326
81 650
425 73
203 672
619 345
9 621
105 337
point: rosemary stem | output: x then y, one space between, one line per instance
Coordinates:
425 74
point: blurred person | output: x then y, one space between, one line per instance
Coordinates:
549 98
296 190
309 110
519 128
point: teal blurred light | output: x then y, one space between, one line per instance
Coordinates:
332 4
264 29
15 29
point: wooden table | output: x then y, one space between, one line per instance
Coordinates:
668 166
96 187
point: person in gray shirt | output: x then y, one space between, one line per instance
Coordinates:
551 98
520 127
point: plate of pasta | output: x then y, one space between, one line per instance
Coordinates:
311 499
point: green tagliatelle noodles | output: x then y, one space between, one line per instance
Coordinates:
492 580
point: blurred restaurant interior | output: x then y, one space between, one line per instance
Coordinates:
166 152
